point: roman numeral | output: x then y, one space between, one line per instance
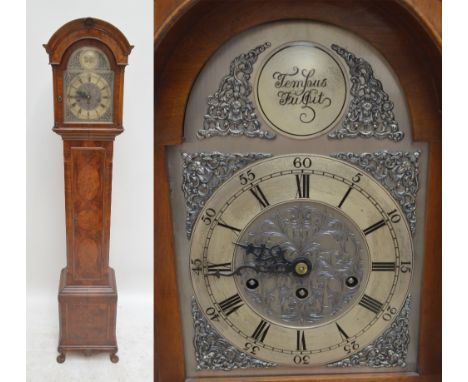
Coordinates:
303 185
261 331
374 227
344 197
224 225
343 334
231 304
260 196
371 304
300 342
383 266
217 269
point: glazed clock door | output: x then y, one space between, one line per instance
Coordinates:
296 200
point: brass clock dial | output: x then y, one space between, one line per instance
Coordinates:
88 87
301 259
88 96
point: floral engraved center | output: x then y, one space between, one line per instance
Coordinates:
302 255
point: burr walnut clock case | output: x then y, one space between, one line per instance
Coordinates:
88 58
297 190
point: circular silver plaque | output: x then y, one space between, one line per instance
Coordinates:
301 90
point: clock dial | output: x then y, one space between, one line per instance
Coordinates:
89 96
301 259
88 87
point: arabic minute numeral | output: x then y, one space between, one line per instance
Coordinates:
208 216
389 313
246 177
350 344
211 312
405 266
394 216
299 162
251 348
357 178
350 347
301 359
197 266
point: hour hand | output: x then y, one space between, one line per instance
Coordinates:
265 260
83 94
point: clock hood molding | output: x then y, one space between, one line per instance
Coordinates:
95 29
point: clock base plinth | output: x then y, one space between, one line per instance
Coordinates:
87 316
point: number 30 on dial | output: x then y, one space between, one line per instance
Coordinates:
301 259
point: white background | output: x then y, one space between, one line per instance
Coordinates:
13 181
131 243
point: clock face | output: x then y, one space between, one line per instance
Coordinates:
88 87
88 96
301 259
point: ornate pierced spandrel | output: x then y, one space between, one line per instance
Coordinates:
230 110
397 171
370 113
213 352
388 350
204 172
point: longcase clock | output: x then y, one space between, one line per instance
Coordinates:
297 190
88 58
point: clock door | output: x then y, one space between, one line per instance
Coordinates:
294 183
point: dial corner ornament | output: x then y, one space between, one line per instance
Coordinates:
213 352
301 259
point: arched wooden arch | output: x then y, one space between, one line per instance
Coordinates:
187 32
